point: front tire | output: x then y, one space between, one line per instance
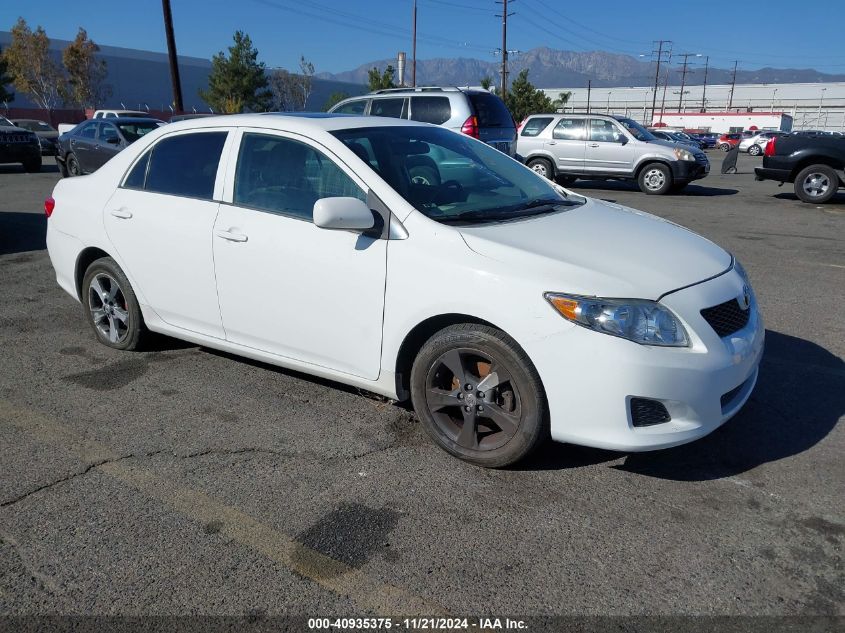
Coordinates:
655 179
725 147
816 184
111 307
541 167
478 395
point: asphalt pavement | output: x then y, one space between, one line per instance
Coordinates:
184 481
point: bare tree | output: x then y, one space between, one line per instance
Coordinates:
32 68
306 74
291 90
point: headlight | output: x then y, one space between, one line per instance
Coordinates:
639 320
682 154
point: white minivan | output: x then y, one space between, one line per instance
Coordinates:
507 308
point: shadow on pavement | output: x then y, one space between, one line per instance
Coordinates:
839 198
20 232
618 185
798 400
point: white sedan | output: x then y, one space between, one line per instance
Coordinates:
508 309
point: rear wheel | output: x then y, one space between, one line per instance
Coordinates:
542 167
72 165
725 147
816 184
755 150
479 396
655 179
110 306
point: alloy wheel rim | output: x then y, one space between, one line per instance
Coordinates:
539 168
107 304
473 399
816 184
654 179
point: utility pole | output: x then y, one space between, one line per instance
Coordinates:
665 86
660 44
414 49
704 90
733 83
505 51
589 88
684 71
171 54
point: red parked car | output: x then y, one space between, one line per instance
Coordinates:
729 141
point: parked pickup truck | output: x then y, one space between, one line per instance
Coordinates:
815 164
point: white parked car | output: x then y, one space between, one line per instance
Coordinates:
756 143
504 306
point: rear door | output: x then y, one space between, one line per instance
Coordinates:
567 144
605 153
160 222
83 143
534 136
108 144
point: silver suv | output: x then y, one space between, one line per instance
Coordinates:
565 147
478 113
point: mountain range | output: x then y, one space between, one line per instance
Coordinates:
551 68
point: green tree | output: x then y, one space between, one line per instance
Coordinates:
486 82
562 100
86 84
334 98
33 70
238 81
524 99
5 95
381 80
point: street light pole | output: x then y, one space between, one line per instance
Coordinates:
821 99
686 56
773 99
704 89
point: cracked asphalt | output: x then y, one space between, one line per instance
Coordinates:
184 481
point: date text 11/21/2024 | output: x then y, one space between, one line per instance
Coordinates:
418 624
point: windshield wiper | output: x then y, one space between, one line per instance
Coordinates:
535 207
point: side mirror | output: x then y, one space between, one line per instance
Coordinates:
345 214
621 138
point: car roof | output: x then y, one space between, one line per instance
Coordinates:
294 121
127 119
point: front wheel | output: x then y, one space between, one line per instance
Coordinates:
478 395
816 184
541 167
110 306
725 147
655 179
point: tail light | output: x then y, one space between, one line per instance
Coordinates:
770 147
470 127
49 205
520 126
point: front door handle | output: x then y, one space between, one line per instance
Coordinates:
232 237
123 214
593 145
552 142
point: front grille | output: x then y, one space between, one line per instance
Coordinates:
15 138
727 318
647 412
727 399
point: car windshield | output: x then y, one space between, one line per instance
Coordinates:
637 131
136 129
452 178
35 126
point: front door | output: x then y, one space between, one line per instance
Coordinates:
160 221
285 285
567 145
82 144
108 144
606 153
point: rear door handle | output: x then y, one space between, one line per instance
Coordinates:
552 142
593 145
123 214
232 237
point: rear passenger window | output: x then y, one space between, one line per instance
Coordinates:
536 125
88 131
136 177
186 165
604 131
353 107
284 176
569 130
395 108
435 110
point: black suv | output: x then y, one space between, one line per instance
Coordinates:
19 146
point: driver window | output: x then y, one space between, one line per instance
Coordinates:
603 131
107 131
283 176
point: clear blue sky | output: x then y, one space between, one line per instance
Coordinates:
339 36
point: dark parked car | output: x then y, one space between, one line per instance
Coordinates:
815 164
19 146
46 133
708 139
88 146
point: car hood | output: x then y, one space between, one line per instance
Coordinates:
601 249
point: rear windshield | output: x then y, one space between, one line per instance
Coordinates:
490 110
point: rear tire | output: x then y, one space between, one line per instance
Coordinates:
111 307
72 165
816 184
655 179
725 147
478 395
541 167
755 150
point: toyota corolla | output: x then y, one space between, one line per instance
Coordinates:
413 262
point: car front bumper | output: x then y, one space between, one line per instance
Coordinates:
590 378
19 152
686 170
